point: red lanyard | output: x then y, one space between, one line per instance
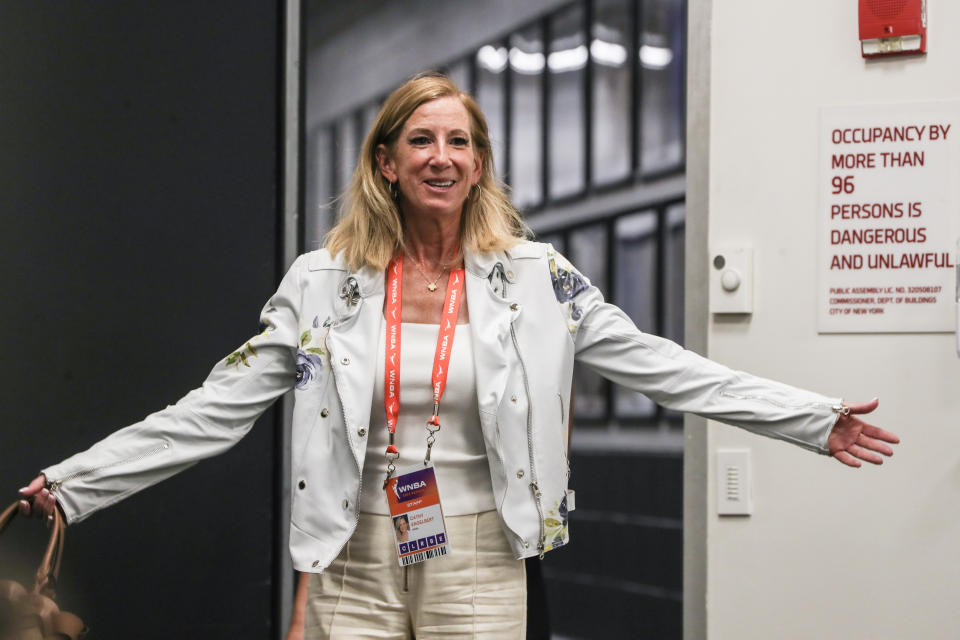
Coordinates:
441 357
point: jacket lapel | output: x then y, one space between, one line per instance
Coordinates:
490 317
352 342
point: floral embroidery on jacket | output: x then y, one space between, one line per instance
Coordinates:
247 351
242 355
309 359
567 284
309 365
557 531
575 312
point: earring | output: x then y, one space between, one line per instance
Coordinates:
393 191
479 190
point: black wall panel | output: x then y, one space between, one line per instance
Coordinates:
621 576
139 173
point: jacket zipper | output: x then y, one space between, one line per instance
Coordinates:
563 421
783 405
534 484
55 485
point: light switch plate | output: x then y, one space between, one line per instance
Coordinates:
734 482
731 280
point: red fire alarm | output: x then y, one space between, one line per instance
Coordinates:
893 27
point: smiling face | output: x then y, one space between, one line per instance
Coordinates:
433 161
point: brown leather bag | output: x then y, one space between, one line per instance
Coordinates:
33 614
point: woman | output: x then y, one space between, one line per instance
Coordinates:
402 526
426 227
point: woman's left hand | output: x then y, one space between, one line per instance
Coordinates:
853 440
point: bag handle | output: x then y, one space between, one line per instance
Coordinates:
45 582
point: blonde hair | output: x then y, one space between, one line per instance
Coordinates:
370 227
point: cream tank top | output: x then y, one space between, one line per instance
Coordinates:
459 455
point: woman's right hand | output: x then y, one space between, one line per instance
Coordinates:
43 502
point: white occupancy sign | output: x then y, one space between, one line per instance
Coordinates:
888 218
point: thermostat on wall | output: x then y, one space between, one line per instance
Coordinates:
892 27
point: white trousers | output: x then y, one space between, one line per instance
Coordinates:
478 590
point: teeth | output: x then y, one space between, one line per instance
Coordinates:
438 183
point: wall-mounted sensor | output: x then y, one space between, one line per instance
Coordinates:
731 281
892 27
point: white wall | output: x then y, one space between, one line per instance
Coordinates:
829 552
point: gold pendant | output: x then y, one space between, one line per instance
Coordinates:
431 286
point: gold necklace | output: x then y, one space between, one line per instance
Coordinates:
431 285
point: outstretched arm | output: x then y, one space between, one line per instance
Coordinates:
853 440
608 342
206 422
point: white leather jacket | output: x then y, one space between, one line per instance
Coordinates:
531 316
